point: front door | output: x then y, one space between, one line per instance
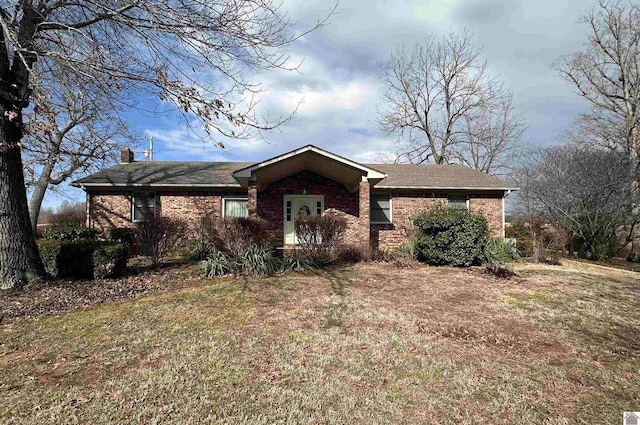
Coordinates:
296 206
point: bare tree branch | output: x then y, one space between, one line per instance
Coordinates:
443 106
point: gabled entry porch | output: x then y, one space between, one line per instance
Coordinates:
310 181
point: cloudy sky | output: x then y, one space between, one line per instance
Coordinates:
337 92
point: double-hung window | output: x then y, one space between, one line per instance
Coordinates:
381 208
457 202
143 206
235 207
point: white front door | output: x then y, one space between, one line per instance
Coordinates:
296 206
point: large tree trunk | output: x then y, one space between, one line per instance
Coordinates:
19 258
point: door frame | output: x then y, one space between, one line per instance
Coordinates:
291 198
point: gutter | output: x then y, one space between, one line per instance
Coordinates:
507 189
89 185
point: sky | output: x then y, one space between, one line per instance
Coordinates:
336 89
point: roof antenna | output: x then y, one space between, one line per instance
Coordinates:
148 153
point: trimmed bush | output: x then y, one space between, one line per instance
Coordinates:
110 260
217 264
123 235
500 251
318 235
452 237
69 233
158 237
49 250
83 259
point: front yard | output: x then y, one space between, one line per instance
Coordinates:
368 344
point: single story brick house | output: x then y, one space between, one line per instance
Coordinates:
377 200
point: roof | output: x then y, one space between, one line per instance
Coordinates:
369 171
166 173
221 174
436 176
312 158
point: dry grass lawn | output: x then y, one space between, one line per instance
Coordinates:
365 344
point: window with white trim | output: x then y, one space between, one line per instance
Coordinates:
143 206
235 207
458 202
381 208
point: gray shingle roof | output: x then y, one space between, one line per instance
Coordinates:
178 173
171 173
436 176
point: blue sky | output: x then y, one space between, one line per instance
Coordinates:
337 91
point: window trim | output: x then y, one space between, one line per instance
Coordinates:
232 198
133 204
390 208
466 195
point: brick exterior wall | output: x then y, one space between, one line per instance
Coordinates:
110 209
490 206
189 207
113 208
337 200
406 206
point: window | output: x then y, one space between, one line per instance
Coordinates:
457 202
288 211
381 209
143 206
235 207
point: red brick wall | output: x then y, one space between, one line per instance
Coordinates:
189 207
337 200
110 209
406 206
113 209
490 206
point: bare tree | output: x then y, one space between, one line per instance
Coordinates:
492 138
581 188
198 55
607 74
69 130
444 107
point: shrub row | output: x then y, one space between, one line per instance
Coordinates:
83 258
69 233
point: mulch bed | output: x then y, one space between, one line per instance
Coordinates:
44 299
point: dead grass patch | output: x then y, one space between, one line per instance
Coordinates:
364 344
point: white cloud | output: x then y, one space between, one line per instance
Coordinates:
346 97
434 10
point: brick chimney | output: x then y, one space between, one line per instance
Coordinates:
126 156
